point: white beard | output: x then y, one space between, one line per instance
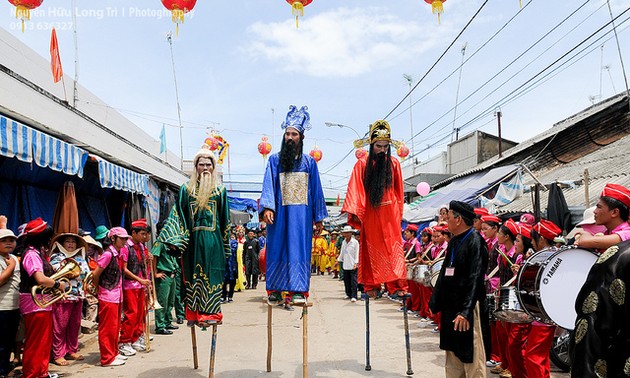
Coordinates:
206 187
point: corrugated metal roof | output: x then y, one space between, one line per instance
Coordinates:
609 164
576 136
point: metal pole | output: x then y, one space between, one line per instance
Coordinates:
368 367
587 200
169 38
459 81
499 133
413 148
75 96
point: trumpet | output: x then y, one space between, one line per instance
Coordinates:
88 285
46 296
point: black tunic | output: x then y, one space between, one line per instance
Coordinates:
251 251
460 293
601 340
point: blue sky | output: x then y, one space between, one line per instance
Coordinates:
238 60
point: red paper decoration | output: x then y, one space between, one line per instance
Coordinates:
297 7
402 151
23 9
212 143
316 154
179 8
436 7
264 147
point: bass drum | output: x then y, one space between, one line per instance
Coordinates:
434 271
549 281
419 273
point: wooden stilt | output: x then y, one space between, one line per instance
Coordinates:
305 340
269 343
407 344
213 348
368 367
194 347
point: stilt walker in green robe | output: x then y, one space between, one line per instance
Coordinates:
199 225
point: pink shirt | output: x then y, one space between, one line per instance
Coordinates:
32 263
129 284
114 295
623 230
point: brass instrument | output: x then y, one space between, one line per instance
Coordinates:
49 295
88 285
153 301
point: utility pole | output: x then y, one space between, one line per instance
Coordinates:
169 38
75 91
410 82
499 133
461 67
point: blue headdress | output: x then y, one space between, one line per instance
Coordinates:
298 119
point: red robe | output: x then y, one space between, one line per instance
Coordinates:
381 255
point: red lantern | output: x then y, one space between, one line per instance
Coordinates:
298 8
360 153
179 8
316 154
264 147
23 9
436 7
402 151
212 143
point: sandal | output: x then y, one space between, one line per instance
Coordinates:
75 356
61 362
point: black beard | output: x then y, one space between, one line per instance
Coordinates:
378 176
288 153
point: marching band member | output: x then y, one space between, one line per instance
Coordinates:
611 211
9 297
135 284
94 251
108 279
424 313
35 270
333 253
412 249
489 229
67 312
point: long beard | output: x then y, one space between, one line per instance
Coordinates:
288 152
205 189
378 177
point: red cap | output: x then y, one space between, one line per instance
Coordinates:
490 218
512 226
428 230
412 227
481 211
526 231
140 223
547 229
618 192
35 226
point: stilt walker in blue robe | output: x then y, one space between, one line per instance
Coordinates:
293 201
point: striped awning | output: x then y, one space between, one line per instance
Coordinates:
30 145
117 177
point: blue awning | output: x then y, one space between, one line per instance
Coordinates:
117 177
30 145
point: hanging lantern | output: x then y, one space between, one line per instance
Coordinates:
360 153
436 7
402 151
23 9
179 8
316 154
264 147
298 8
212 143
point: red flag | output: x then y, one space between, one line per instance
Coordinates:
338 199
55 59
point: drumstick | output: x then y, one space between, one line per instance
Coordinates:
494 271
505 257
510 281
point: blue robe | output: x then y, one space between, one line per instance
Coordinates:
297 200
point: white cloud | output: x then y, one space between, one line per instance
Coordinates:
342 42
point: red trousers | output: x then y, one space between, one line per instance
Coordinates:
539 343
502 329
495 353
134 311
394 286
424 304
37 344
108 330
517 339
413 303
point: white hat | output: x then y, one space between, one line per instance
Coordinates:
589 216
207 153
347 229
6 233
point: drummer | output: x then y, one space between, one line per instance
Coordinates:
611 211
412 250
540 338
507 257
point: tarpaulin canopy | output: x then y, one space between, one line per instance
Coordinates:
465 189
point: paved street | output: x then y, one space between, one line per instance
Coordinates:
336 342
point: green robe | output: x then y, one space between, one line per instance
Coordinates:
204 236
